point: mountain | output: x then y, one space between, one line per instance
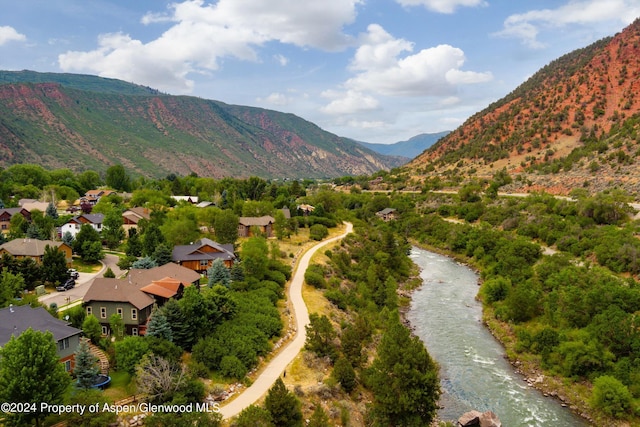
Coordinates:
85 122
575 123
408 149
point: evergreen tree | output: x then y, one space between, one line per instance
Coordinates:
253 416
159 326
30 372
343 373
218 274
404 379
67 238
152 237
33 232
283 406
86 368
319 418
109 273
134 245
54 265
237 272
145 263
181 333
162 254
51 211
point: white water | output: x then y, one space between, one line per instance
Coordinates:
474 373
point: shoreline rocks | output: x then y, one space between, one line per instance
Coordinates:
481 419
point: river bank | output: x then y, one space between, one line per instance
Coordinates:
531 373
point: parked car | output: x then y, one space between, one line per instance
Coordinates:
73 273
69 284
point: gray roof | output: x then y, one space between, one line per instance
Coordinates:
92 218
29 247
386 211
195 251
17 319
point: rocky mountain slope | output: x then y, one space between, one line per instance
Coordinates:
575 123
86 122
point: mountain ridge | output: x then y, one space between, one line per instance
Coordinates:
410 148
574 123
104 122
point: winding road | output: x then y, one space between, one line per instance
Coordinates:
278 364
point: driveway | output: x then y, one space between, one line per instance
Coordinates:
82 284
278 364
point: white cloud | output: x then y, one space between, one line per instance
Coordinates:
8 34
526 26
430 72
203 34
349 102
443 6
281 59
275 98
364 124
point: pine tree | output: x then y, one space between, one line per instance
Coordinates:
159 326
162 254
52 211
218 273
319 418
86 367
283 406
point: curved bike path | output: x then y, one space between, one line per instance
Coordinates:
286 355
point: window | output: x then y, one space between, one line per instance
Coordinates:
89 311
64 343
134 332
67 365
119 311
105 331
134 314
103 312
204 262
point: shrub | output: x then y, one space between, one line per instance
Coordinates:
318 232
611 396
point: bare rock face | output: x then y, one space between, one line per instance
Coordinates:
481 419
489 419
470 419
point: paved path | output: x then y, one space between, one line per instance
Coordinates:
278 364
82 284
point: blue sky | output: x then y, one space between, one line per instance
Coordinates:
378 71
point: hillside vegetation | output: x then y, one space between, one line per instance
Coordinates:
86 122
574 123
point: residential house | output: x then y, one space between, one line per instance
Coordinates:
75 223
199 256
131 217
264 224
35 205
386 214
7 213
306 209
14 320
190 199
92 197
34 248
134 297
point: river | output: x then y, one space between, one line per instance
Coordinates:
474 372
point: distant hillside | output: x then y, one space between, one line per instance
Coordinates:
575 123
85 122
407 149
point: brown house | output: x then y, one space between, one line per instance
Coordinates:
7 213
199 256
247 225
134 296
34 248
131 217
386 214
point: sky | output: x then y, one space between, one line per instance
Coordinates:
378 71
